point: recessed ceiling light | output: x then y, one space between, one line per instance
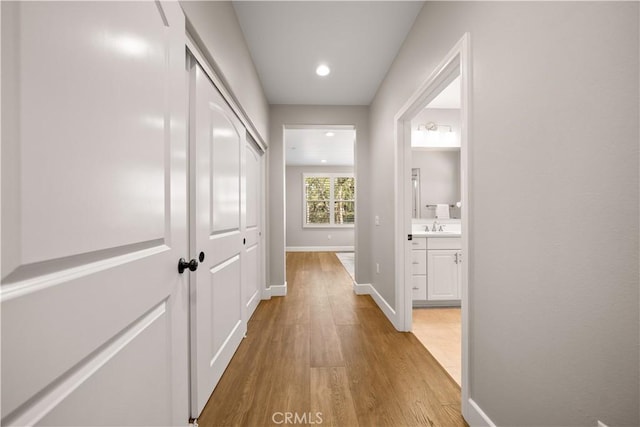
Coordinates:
330 134
323 70
323 161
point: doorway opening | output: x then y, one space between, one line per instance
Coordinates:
436 227
433 215
320 196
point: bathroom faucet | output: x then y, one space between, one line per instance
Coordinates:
435 226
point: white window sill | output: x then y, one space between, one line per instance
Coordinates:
337 226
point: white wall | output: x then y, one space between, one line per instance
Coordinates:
554 213
299 236
281 115
215 27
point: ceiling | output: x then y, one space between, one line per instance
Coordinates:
358 40
308 147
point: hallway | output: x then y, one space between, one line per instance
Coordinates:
330 356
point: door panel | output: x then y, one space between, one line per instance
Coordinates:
253 235
93 217
87 69
217 149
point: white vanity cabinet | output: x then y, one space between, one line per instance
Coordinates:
436 266
444 269
419 268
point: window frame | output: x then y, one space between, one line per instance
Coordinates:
332 176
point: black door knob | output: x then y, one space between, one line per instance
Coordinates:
183 265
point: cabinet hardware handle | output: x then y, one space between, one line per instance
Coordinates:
416 262
416 289
456 261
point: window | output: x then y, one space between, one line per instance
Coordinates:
329 200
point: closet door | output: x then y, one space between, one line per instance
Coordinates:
94 311
253 232
217 235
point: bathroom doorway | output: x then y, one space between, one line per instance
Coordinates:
436 228
433 226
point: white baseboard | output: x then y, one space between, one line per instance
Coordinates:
275 291
368 289
475 416
362 289
319 248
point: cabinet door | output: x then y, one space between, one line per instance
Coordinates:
443 275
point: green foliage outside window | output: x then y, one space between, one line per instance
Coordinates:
344 196
318 192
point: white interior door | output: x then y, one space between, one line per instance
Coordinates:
253 232
217 232
94 312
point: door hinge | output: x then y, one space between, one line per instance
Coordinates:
409 236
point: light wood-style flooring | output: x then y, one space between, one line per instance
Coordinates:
323 349
439 329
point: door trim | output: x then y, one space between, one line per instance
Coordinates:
456 62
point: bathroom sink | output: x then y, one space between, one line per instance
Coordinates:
442 230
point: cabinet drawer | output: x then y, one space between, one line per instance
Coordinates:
444 243
419 287
419 243
418 261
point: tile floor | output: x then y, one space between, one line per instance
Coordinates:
348 260
438 329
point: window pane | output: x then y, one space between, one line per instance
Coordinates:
344 212
344 188
317 188
317 213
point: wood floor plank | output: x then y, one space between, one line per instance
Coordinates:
324 349
331 397
325 344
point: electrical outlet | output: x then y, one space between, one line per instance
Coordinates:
329 236
378 271
601 424
377 220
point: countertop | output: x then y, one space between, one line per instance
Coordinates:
441 234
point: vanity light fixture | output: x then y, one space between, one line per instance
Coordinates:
323 70
431 126
433 134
